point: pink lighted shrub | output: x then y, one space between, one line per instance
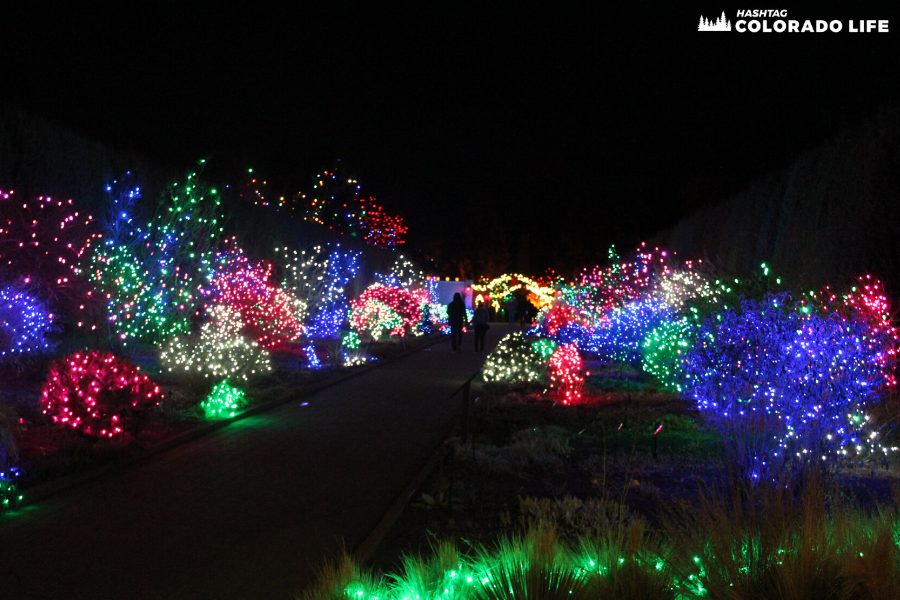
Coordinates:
566 377
97 393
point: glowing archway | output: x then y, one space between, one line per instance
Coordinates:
500 289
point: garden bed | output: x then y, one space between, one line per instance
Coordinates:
529 459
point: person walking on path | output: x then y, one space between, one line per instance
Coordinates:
456 315
480 322
512 306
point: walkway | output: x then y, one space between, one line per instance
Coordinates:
249 511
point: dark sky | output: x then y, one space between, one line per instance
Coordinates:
553 133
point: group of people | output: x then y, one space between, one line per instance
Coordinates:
456 316
519 311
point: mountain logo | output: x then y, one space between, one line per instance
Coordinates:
720 24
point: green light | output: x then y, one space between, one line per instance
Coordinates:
224 398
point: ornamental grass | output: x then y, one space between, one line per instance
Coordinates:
760 542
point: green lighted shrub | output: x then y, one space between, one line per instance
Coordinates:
662 352
223 401
444 573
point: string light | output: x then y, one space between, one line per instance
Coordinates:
381 309
566 376
25 323
220 352
97 393
42 241
151 275
271 315
514 360
223 401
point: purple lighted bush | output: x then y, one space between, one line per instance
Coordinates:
25 323
784 386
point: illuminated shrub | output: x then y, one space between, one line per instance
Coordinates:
220 351
25 323
382 309
515 359
97 393
375 319
663 351
621 332
785 386
566 377
556 317
867 303
271 315
223 401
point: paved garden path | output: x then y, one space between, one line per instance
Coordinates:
248 511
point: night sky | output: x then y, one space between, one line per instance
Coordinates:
542 136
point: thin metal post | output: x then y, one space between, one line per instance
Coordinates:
465 424
450 490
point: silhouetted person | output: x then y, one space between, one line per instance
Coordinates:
527 311
456 315
480 322
512 305
522 313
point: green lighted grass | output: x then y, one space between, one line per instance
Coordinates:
769 542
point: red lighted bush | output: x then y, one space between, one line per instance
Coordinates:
97 393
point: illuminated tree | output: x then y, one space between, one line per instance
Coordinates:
403 274
334 201
320 279
381 230
98 393
151 274
41 243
